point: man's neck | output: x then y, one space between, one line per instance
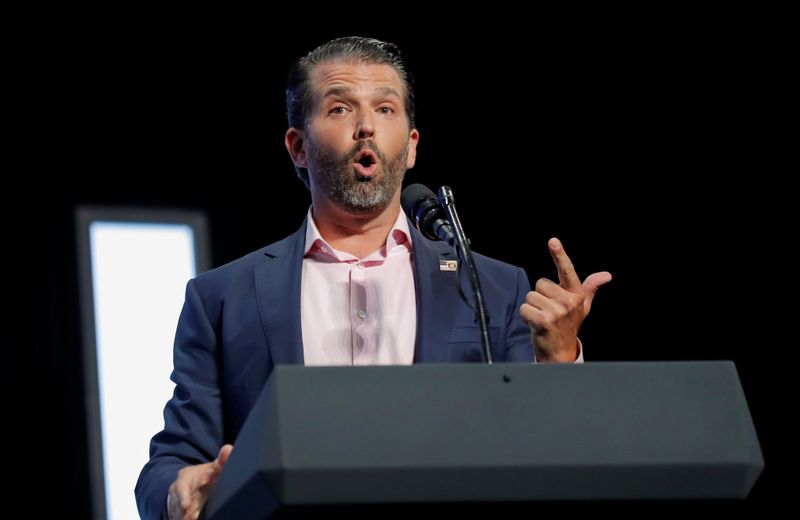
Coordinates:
357 234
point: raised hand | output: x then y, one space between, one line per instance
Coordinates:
554 312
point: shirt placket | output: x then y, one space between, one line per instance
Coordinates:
359 316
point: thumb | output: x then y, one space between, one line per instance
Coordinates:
222 458
590 286
209 476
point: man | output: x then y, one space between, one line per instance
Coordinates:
355 285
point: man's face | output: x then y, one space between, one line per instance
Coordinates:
358 142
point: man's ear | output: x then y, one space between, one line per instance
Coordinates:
413 139
295 142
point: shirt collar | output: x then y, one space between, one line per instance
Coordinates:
398 235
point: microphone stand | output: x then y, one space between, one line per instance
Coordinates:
448 203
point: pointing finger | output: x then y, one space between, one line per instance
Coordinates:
567 276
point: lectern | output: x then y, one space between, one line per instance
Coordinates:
333 436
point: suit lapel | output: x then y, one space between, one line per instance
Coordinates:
277 283
437 299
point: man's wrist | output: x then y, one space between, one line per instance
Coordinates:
574 357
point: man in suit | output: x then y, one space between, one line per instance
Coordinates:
356 284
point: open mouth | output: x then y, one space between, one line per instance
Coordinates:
366 162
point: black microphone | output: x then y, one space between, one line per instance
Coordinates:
465 253
436 218
423 208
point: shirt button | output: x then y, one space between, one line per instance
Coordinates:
362 314
360 266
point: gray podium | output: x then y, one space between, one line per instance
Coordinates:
429 434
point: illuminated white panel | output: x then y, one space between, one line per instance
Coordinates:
139 274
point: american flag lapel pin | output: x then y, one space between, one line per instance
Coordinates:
448 265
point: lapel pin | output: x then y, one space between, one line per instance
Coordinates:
448 265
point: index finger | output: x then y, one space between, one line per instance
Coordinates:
567 276
180 492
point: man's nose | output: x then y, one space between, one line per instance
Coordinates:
364 127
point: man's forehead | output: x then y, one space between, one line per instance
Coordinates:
355 75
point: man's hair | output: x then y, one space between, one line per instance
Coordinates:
366 50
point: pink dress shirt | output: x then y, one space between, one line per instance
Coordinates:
358 311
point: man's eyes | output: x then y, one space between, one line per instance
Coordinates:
341 110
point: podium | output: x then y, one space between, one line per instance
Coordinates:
467 433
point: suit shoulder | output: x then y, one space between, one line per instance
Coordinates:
494 264
243 266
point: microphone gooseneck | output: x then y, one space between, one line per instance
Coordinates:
481 317
437 219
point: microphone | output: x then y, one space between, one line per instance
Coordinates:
424 210
437 219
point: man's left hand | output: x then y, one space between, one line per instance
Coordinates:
555 312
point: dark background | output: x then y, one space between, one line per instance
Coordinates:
654 148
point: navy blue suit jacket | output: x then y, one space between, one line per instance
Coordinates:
241 319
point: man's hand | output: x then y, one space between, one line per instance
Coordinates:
189 492
555 312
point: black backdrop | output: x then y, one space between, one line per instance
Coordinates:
652 149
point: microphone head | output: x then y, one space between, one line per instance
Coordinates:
422 207
412 196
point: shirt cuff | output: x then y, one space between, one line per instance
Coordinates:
580 352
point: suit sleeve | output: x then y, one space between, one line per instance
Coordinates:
193 431
518 339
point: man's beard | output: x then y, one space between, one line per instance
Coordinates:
340 182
